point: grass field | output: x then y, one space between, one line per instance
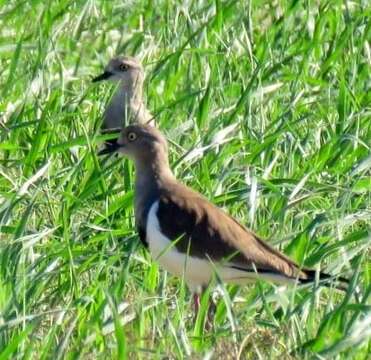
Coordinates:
268 108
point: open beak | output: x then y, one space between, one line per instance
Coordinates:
110 148
103 76
111 145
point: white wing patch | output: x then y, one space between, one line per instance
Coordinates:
197 272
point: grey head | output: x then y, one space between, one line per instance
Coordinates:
147 147
144 144
125 69
126 105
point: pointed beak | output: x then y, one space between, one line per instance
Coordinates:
103 76
110 148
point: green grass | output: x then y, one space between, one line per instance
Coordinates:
278 93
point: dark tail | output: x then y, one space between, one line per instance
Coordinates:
338 282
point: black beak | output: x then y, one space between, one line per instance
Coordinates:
110 147
103 76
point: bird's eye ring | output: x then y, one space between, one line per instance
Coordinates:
132 136
124 67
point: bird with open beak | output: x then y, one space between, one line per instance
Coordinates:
191 237
126 105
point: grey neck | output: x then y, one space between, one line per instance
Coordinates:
151 178
132 93
125 106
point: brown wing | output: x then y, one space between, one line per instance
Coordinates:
185 215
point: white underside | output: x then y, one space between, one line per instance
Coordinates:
197 272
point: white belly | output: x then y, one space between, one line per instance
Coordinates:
197 272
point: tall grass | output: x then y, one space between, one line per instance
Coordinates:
267 106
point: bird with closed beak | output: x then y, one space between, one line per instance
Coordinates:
187 234
126 105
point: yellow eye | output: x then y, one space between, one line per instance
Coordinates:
132 136
124 67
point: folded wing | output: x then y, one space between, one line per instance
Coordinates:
185 215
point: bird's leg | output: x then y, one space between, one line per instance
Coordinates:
210 312
196 302
210 315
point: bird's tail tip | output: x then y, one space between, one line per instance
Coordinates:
325 279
